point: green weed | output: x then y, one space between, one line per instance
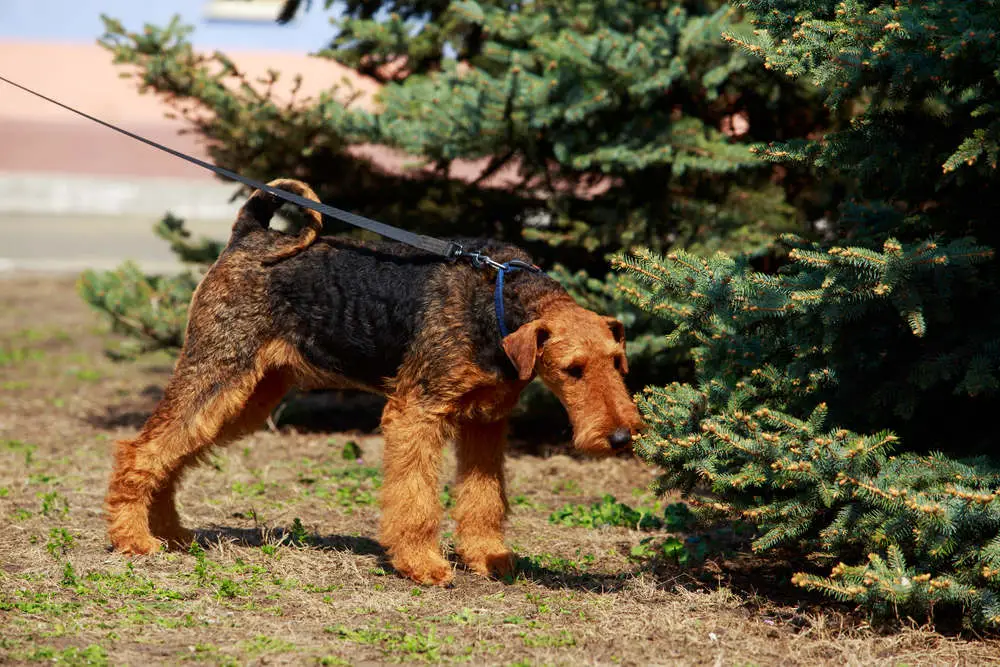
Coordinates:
568 486
211 575
464 617
208 653
126 584
447 499
185 621
312 588
252 489
350 474
53 504
351 451
522 500
227 588
41 604
411 646
69 576
20 447
540 603
88 375
13 356
539 563
89 655
60 542
349 496
607 512
264 644
348 487
299 535
15 385
561 640
201 564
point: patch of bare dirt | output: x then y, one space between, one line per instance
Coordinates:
288 571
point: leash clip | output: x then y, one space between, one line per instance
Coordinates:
479 260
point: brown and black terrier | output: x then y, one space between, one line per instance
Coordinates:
278 311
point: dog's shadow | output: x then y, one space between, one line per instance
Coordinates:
526 570
259 537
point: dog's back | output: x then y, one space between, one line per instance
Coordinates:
352 308
355 308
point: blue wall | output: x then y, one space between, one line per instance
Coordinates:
79 21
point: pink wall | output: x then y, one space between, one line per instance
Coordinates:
36 136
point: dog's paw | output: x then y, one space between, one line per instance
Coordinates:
497 563
428 569
137 546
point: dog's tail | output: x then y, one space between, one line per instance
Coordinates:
256 213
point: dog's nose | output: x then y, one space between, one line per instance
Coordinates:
620 438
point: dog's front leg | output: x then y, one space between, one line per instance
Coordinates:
411 505
481 502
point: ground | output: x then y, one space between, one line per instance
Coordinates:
287 570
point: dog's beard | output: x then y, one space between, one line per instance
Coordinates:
591 437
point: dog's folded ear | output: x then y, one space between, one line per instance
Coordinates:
524 346
618 331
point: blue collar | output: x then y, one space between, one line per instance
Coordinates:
503 270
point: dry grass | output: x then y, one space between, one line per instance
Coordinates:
263 591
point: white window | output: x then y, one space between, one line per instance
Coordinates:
243 10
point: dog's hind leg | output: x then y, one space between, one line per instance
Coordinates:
207 402
481 503
411 506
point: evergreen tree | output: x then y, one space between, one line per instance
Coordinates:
888 328
613 114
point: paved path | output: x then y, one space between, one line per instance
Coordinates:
70 244
65 224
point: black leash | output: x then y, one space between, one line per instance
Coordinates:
446 249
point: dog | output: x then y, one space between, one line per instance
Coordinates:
279 311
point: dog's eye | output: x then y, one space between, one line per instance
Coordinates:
575 371
618 364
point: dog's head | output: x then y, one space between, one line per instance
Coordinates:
580 356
